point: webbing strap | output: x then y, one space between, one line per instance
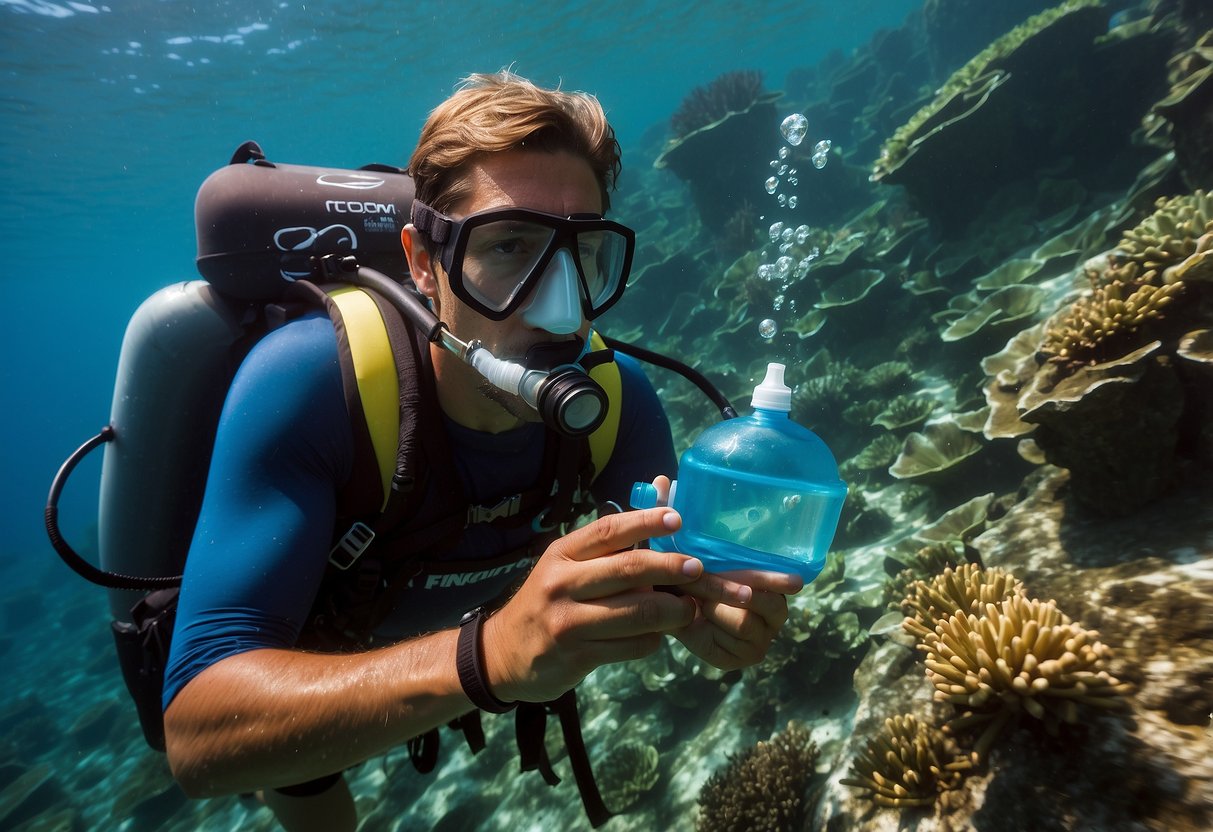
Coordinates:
531 725
375 369
602 440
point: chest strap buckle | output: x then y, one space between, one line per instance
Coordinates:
351 546
508 507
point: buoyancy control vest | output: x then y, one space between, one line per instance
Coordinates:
261 229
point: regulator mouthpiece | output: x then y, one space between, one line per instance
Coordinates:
568 400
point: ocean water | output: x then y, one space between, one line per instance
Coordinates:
113 114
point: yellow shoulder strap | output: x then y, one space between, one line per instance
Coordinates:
379 389
602 440
375 369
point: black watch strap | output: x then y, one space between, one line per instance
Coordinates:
469 662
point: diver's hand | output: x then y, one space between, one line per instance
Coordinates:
590 601
739 613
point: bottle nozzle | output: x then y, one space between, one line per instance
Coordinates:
772 393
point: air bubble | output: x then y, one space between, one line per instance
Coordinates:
767 329
794 128
773 184
783 266
777 304
802 234
766 272
783 152
819 160
823 146
782 170
792 200
775 231
782 200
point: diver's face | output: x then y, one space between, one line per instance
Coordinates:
556 183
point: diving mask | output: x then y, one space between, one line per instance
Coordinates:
494 259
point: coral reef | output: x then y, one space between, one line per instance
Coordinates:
908 764
1103 367
762 789
966 590
1022 655
1188 111
1012 95
1157 262
934 453
725 152
878 453
905 411
628 772
732 92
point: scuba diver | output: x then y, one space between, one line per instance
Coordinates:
305 643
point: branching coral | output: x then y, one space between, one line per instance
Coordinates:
629 770
908 764
762 788
1101 324
1017 656
1153 266
732 92
965 590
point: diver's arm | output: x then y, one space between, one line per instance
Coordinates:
274 717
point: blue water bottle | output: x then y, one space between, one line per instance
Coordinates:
755 492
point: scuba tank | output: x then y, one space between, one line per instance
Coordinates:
185 342
260 226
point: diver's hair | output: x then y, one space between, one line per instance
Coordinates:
490 113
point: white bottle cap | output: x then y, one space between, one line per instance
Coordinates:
773 394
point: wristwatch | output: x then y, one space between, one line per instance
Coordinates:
469 662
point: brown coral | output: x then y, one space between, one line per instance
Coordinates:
1019 656
762 788
908 764
1154 264
967 589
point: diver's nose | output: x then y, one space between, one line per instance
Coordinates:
556 306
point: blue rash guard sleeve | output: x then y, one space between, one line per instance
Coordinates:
282 448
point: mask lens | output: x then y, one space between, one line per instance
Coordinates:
602 255
499 257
